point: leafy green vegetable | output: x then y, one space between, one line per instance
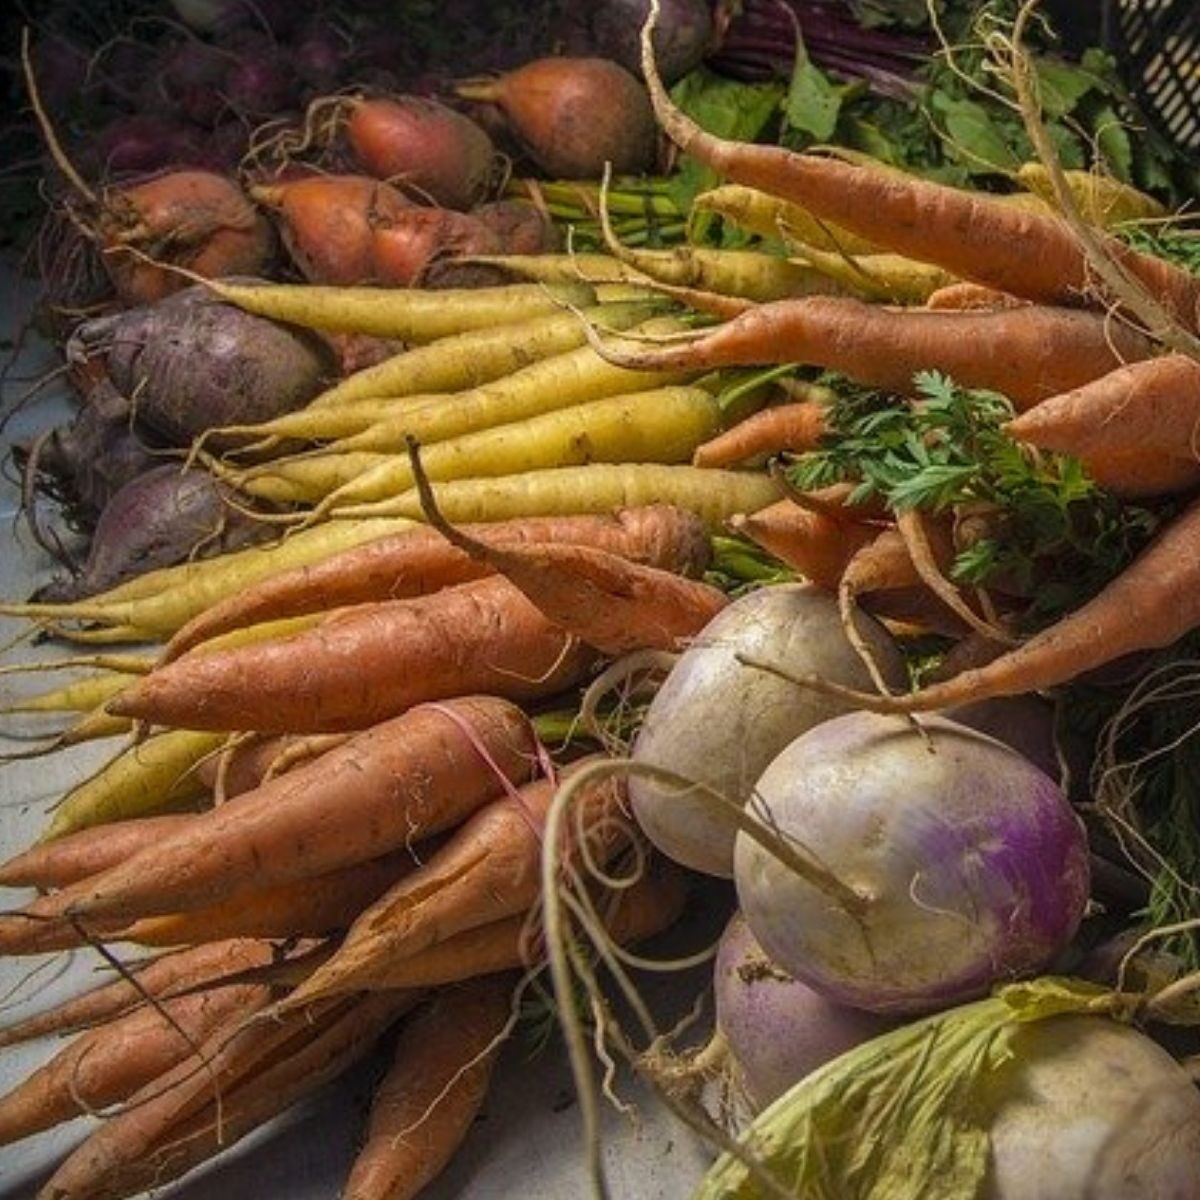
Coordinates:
813 102
902 1117
1049 532
726 108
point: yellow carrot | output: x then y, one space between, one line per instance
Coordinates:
411 314
769 217
661 426
713 495
467 360
169 598
145 778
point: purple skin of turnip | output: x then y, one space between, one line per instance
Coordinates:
777 1029
968 865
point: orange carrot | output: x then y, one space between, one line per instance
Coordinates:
488 870
972 236
606 601
963 297
1027 353
315 907
74 857
243 766
420 561
794 427
207 1103
432 1092
383 789
368 664
817 545
646 908
1137 473
108 1064
162 977
1151 406
1152 603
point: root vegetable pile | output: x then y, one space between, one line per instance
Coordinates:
469 604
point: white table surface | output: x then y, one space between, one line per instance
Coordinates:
527 1142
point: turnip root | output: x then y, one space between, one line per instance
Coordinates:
777 1029
1033 1094
1092 1110
719 723
969 866
191 362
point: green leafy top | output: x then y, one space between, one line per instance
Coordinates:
1046 530
904 1116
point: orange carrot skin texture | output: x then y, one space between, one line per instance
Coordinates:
965 297
108 1064
250 763
648 907
78 855
163 977
1138 473
817 545
316 907
419 561
433 1091
608 602
489 869
1152 603
1153 405
1027 353
260 1068
970 235
795 427
368 665
381 790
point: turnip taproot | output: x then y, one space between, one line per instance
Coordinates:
969 865
777 1029
719 723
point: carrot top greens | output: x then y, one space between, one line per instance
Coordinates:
1047 530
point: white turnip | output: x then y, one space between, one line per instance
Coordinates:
968 864
719 723
1033 1094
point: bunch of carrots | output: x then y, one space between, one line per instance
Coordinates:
366 843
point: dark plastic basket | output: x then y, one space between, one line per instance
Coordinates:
1157 47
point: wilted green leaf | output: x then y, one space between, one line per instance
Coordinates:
1113 139
899 1117
813 103
724 107
976 137
1062 85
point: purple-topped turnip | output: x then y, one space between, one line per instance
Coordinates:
777 1029
949 863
